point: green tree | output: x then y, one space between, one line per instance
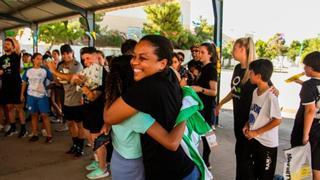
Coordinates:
261 48
60 32
310 45
227 52
163 19
294 50
97 17
204 30
276 46
111 38
186 39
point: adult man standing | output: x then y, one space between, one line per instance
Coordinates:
72 108
11 85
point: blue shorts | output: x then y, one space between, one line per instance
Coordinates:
38 105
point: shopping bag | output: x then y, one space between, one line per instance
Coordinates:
297 165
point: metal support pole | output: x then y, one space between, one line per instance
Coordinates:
3 37
218 17
90 18
35 34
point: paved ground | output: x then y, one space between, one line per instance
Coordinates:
20 159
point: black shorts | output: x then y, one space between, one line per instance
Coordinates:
11 95
314 140
73 113
93 117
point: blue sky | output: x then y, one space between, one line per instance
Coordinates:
297 19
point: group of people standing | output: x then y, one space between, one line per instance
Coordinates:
138 97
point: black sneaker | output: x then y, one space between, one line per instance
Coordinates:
23 133
48 140
78 153
11 132
72 150
34 138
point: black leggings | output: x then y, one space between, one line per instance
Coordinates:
206 150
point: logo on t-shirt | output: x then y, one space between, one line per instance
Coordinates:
235 88
254 112
6 65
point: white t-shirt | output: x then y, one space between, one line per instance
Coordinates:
263 109
36 79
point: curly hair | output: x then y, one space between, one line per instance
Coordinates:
119 79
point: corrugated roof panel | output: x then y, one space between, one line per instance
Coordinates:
35 14
38 11
54 8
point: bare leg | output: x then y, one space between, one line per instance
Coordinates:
47 124
101 153
34 123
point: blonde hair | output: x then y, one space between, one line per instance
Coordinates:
248 44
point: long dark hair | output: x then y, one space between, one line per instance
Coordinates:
211 48
119 79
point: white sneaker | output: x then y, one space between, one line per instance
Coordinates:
30 135
44 133
6 128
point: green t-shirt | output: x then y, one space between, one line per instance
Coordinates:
126 136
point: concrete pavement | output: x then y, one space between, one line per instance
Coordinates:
20 159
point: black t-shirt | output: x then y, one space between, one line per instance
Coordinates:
10 64
208 73
309 94
193 62
160 96
242 97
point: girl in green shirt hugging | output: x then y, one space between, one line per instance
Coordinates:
127 162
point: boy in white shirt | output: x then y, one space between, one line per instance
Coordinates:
264 119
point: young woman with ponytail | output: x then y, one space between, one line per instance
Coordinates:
241 94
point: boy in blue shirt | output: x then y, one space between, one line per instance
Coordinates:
37 96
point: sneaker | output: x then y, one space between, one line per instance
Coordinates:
6 128
208 166
56 120
23 133
78 153
48 140
72 150
63 128
93 166
31 134
97 174
11 132
34 138
44 133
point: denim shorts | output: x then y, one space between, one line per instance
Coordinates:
38 105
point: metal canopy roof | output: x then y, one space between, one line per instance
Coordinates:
19 13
